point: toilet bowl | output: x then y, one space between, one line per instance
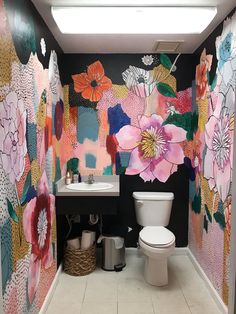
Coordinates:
157 243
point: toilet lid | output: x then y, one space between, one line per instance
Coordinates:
156 236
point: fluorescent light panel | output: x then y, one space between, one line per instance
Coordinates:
133 20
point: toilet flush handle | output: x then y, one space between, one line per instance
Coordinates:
140 203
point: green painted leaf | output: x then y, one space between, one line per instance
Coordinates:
11 211
188 121
220 219
58 170
72 164
208 213
26 187
213 84
165 90
165 61
205 224
196 203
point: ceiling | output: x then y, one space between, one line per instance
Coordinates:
71 43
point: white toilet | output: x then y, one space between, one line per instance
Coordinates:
157 242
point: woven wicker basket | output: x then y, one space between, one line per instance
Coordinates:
79 262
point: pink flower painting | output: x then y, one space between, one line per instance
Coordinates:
37 223
155 148
12 136
219 155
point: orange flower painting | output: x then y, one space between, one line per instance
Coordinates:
93 83
201 75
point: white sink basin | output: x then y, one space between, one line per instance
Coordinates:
96 186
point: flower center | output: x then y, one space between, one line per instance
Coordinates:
221 144
42 228
141 80
94 83
153 143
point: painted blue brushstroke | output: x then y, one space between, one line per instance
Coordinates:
117 119
87 125
194 104
118 164
90 161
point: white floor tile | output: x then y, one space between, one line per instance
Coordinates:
101 291
126 292
134 290
135 308
62 305
99 308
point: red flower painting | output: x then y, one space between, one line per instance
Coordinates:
37 223
93 83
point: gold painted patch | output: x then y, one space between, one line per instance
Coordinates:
41 114
161 74
35 172
202 113
210 198
225 285
120 91
20 247
7 57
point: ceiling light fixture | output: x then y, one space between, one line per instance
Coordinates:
132 20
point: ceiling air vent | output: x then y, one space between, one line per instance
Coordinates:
168 46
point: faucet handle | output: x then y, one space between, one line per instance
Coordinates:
90 178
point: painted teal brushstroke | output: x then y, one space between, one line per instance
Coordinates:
6 256
88 126
90 161
107 171
124 159
53 115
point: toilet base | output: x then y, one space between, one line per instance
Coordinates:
155 271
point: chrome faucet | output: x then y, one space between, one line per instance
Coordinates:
90 179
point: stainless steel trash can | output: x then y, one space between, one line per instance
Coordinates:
113 253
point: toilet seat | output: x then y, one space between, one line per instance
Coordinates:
157 236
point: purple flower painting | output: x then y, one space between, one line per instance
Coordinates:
12 136
219 154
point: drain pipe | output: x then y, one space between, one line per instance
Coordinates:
93 219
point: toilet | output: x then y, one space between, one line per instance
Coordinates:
157 243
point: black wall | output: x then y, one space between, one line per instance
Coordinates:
27 28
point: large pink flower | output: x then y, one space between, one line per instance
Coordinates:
155 148
37 223
219 155
12 136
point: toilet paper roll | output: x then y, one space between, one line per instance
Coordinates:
88 238
74 243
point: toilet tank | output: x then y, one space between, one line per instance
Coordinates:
153 208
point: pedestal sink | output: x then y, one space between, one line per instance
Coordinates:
83 186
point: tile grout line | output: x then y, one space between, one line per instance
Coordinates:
186 301
84 291
185 298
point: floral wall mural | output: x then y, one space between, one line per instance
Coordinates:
138 127
212 160
30 97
